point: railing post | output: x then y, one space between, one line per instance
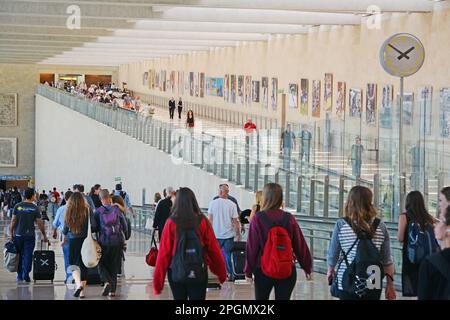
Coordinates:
266 173
255 186
312 197
288 188
277 176
341 196
426 191
376 190
299 193
238 173
160 138
440 186
170 141
203 151
224 158
326 189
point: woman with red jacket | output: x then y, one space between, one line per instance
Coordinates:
256 242
185 214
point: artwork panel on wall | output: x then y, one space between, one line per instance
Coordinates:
248 90
191 84
265 92
354 102
145 79
304 92
340 100
240 89
8 109
328 92
316 98
387 97
8 152
202 84
444 106
408 107
233 88
425 108
274 93
196 84
293 95
157 79
180 82
371 104
172 81
163 81
255 91
226 88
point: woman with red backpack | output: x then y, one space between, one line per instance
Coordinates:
274 238
188 247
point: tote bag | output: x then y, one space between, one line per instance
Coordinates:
91 252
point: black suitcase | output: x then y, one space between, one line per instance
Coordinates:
44 264
238 260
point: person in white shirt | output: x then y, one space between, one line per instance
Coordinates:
223 216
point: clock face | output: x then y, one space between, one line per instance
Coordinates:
402 55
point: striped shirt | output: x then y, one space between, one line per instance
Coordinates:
342 240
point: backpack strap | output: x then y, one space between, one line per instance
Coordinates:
438 261
266 219
285 221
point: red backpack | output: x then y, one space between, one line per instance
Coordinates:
277 259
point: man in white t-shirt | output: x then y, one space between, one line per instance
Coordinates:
223 216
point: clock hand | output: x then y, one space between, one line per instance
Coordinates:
406 52
390 45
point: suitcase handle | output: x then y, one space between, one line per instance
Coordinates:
48 244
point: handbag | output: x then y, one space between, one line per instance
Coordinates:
91 251
152 255
11 257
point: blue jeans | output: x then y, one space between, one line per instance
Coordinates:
356 168
66 259
225 246
54 208
25 247
287 152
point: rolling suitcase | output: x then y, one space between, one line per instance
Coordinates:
238 260
44 264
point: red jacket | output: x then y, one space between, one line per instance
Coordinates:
168 244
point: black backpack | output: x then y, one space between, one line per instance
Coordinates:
15 199
439 262
420 243
122 194
188 265
356 279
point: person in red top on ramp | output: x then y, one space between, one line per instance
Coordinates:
187 247
249 126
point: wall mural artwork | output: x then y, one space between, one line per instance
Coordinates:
172 82
340 100
240 87
444 105
180 82
163 81
304 91
274 93
8 152
157 79
214 87
202 84
248 90
233 88
293 95
408 105
371 104
191 84
316 98
386 107
354 102
196 84
328 92
8 110
151 79
265 92
226 88
145 79
255 91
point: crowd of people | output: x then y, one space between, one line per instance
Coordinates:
192 242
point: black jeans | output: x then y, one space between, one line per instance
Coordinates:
182 291
171 112
110 264
180 109
283 288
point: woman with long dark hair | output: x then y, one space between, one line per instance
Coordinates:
186 215
190 119
415 213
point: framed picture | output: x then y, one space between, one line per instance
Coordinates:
293 95
328 92
265 92
241 90
214 87
354 102
180 82
8 109
316 98
340 100
444 105
202 84
172 82
304 92
226 88
233 88
386 107
145 79
191 84
371 103
248 90
425 105
163 80
196 84
274 93
408 105
151 79
8 152
157 79
255 91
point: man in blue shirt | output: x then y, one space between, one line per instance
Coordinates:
25 214
119 192
80 188
58 223
287 144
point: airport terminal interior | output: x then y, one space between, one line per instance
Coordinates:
141 96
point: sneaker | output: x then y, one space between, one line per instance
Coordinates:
106 290
77 292
27 280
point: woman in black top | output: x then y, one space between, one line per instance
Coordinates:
180 108
415 212
190 119
434 273
95 197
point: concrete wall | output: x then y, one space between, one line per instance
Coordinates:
22 79
91 152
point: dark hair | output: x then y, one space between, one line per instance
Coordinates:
447 217
67 195
272 197
54 189
15 188
186 211
79 187
446 192
29 193
360 211
118 187
415 207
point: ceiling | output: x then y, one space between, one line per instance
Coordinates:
115 32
